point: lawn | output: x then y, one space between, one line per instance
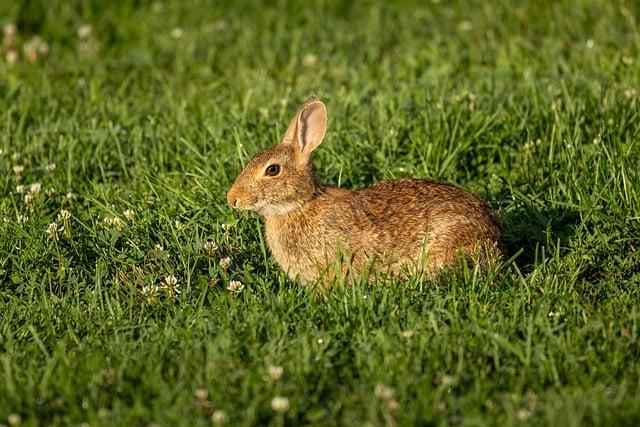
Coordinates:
123 126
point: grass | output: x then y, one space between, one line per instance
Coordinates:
534 105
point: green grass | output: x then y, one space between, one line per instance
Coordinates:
534 105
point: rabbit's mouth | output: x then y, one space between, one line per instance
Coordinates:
267 209
241 206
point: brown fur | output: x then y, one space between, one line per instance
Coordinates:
392 226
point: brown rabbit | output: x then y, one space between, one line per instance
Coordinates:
390 226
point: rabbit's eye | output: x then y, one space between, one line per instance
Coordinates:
272 170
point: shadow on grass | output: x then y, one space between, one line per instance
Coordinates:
529 227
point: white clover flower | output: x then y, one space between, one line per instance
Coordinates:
178 224
11 57
309 60
201 393
219 417
446 380
118 223
10 29
114 222
149 289
225 263
150 292
14 419
52 231
465 26
210 247
235 286
64 215
383 391
523 414
84 31
129 214
18 169
43 48
51 167
35 188
19 189
158 247
275 371
177 33
407 334
33 46
280 404
172 286
69 197
22 219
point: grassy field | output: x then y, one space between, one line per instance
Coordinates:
123 126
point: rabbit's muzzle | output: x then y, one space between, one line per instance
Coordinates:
233 198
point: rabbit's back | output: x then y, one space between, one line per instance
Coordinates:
420 219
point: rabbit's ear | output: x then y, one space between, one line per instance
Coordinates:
307 128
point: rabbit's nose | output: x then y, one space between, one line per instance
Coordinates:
232 199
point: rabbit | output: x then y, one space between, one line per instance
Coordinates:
396 226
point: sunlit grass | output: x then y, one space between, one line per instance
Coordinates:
131 294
